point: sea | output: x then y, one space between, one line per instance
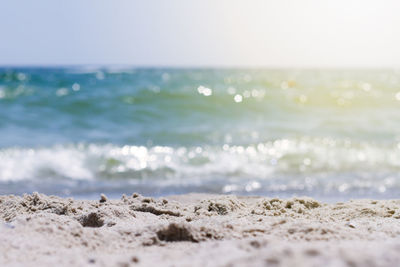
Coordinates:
80 131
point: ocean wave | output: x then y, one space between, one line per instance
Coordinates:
282 164
239 131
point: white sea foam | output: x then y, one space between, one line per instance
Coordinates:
280 165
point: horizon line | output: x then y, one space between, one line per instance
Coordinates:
171 66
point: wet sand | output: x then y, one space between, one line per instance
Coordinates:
197 230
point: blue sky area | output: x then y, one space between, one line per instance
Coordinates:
233 33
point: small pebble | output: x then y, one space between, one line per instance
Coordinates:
103 198
351 225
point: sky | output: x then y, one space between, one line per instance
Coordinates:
201 33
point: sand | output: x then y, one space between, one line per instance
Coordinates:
197 230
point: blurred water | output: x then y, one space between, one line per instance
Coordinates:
79 131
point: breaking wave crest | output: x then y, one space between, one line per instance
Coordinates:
305 164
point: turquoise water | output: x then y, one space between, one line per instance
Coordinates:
84 130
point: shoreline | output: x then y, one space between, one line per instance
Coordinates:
197 230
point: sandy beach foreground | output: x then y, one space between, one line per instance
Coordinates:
197 230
